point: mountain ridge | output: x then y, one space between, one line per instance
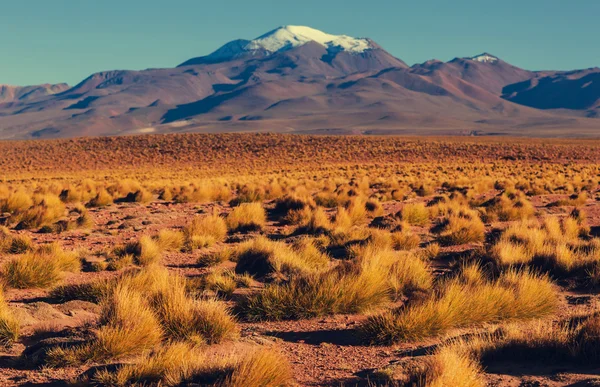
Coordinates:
297 79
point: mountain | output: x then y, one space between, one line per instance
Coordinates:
27 93
575 90
298 79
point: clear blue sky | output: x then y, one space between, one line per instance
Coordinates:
67 40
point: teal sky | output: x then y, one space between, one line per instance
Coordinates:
50 41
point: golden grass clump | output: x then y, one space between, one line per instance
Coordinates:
195 320
460 228
40 268
247 217
14 244
450 366
204 231
367 283
169 365
10 327
170 240
555 245
146 251
181 363
294 209
405 239
262 258
128 326
464 301
509 206
102 199
416 214
16 202
46 209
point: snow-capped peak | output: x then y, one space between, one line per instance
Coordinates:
287 37
484 58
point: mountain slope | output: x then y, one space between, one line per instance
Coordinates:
28 93
575 90
297 79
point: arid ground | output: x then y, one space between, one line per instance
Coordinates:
268 260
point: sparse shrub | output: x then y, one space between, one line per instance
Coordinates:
205 231
40 268
170 240
46 209
461 228
15 244
102 199
247 217
262 258
214 259
142 196
416 214
9 325
515 295
146 251
450 366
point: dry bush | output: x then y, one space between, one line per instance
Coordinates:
146 251
405 239
415 213
367 283
450 366
185 318
409 273
10 327
14 244
260 368
294 209
222 282
318 222
90 291
102 199
142 196
262 258
555 245
181 364
508 207
318 295
460 228
465 301
170 240
214 259
40 268
128 327
16 202
169 365
46 210
247 217
205 231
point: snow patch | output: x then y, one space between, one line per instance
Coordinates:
285 38
484 58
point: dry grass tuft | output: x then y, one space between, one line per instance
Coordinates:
416 214
204 231
247 217
10 327
41 268
467 300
